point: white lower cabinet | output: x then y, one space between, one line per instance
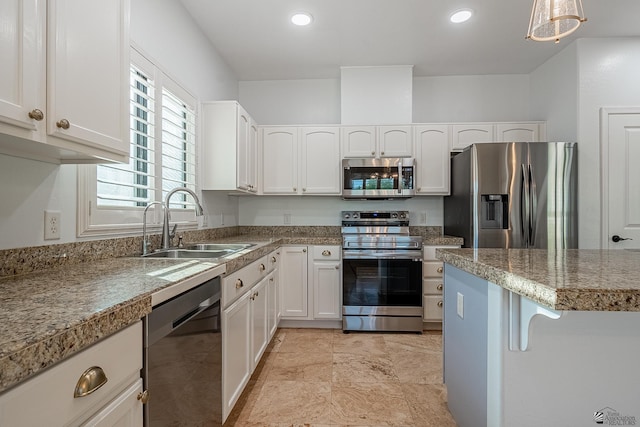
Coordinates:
48 398
273 293
311 278
245 326
326 280
432 284
294 286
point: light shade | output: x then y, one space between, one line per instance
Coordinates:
460 16
554 19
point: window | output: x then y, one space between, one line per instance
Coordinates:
112 197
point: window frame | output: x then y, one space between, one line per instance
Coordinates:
94 220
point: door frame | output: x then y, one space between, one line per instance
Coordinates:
605 113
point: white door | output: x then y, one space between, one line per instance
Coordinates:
395 141
293 287
517 132
432 158
326 290
259 321
622 200
280 160
320 171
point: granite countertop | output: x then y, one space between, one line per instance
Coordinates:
571 279
50 315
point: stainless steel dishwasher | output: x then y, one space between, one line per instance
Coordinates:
183 359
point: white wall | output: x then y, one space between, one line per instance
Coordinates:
609 71
286 102
320 210
471 98
164 30
554 95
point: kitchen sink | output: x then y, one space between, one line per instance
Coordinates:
232 247
201 251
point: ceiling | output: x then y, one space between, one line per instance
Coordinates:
258 41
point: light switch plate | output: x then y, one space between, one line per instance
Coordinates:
51 225
460 305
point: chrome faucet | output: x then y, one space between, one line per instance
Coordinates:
166 236
145 240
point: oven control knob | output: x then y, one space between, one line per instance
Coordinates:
403 215
347 216
355 215
394 215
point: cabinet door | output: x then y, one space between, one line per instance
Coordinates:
395 141
272 303
432 159
517 132
252 154
467 134
320 164
358 141
124 411
259 321
244 159
326 278
280 160
88 72
22 86
293 285
236 352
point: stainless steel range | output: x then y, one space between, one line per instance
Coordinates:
381 272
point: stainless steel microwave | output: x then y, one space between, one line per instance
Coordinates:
387 178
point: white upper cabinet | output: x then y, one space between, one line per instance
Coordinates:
300 160
471 133
279 160
520 132
320 160
229 145
376 141
432 144
65 93
394 141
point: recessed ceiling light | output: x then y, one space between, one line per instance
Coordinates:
301 19
461 15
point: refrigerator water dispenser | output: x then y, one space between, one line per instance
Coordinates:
495 208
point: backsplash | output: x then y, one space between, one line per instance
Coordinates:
36 258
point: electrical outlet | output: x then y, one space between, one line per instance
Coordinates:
287 219
51 225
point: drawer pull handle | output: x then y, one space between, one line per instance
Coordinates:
274 259
439 287
337 267
36 115
440 270
262 267
90 380
440 304
304 250
326 252
239 284
143 396
63 124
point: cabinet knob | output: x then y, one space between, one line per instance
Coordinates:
439 287
326 252
440 270
419 188
304 250
63 124
295 189
143 396
36 115
304 189
274 259
239 284
262 267
373 153
90 380
337 267
382 153
440 304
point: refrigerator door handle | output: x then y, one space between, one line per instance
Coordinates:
524 206
533 208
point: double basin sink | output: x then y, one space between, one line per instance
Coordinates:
201 251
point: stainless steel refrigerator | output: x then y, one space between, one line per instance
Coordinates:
514 195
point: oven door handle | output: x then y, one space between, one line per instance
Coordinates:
378 254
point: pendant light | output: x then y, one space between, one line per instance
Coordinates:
554 19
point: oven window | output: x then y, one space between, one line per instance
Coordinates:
372 178
382 282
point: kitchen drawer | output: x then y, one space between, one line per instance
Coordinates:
274 260
432 286
432 269
433 308
48 398
326 253
238 283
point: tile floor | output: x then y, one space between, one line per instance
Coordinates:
324 378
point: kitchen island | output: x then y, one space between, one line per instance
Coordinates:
542 337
